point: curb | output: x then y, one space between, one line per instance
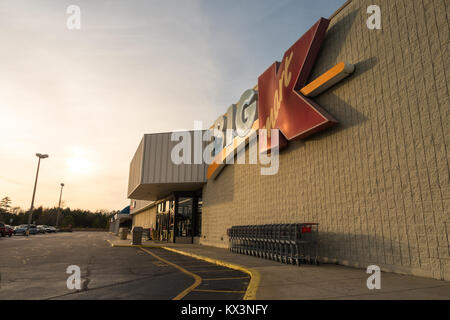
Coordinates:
132 245
255 276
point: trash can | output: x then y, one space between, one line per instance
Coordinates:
137 235
123 233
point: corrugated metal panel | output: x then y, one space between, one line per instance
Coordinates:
164 158
154 175
136 168
136 205
158 166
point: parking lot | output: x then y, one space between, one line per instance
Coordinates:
35 268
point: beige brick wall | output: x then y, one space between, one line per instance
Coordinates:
378 183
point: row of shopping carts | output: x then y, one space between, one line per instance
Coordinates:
295 243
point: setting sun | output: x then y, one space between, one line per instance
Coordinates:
78 165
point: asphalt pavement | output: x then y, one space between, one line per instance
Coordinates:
35 268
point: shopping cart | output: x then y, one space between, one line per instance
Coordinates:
294 243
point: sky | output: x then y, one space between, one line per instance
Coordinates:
87 96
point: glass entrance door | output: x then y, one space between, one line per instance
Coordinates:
198 218
188 208
184 216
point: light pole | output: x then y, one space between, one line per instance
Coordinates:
40 156
59 205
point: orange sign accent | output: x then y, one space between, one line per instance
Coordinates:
219 161
328 79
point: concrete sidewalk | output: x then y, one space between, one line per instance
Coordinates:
274 280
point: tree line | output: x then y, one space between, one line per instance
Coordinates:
75 218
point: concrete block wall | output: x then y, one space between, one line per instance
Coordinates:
378 183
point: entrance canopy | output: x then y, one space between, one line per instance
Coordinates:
153 172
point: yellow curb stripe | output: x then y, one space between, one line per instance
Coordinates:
198 279
199 270
252 288
219 291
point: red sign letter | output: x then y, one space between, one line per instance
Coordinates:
280 104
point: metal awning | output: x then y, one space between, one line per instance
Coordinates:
153 174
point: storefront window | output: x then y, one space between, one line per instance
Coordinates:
165 220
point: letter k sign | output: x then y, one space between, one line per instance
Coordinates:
280 103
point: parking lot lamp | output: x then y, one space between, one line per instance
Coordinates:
40 156
59 205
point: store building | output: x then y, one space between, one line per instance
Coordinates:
165 188
121 219
372 168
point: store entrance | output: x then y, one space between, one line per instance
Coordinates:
188 210
179 218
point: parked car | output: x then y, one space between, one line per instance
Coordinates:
2 229
41 229
9 230
51 229
33 229
22 229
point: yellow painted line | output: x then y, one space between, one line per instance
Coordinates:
219 291
198 279
212 279
250 293
193 266
252 288
199 270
